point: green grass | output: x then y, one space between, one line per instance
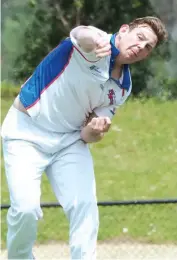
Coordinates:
136 160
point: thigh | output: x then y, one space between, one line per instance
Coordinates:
24 165
72 176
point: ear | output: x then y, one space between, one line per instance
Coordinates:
124 29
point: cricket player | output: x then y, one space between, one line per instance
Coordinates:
67 103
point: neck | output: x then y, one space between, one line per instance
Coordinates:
117 70
118 65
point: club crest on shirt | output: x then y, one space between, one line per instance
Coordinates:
112 96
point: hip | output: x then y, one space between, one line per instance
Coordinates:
19 125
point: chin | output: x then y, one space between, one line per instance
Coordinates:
130 60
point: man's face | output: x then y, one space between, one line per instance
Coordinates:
135 44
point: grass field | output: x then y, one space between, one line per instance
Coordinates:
136 160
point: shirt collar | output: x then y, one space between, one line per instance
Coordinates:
114 50
114 53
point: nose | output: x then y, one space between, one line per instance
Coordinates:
141 45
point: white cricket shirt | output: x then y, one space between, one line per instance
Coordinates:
69 84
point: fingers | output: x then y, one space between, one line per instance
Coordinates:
100 124
107 124
103 47
102 41
100 53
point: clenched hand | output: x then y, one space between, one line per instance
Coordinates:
100 124
103 46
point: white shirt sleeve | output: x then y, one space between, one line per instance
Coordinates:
89 56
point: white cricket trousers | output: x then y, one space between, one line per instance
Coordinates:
28 152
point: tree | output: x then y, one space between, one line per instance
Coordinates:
52 21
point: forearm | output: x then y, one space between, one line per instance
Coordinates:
89 136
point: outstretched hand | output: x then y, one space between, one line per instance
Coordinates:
103 46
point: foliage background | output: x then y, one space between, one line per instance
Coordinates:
31 28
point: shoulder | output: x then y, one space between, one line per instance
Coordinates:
84 32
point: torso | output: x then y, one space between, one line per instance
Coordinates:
66 102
